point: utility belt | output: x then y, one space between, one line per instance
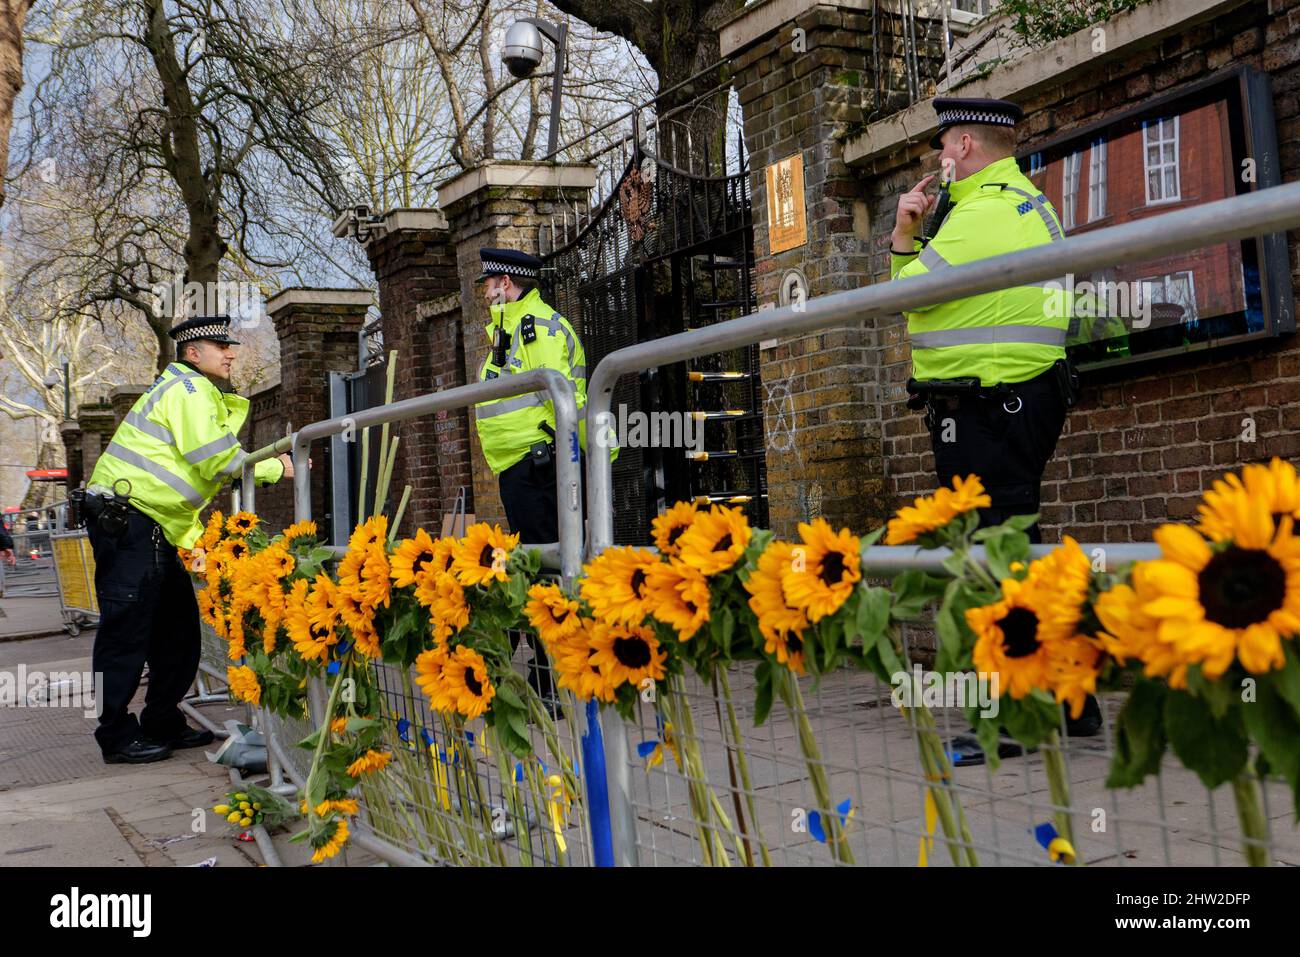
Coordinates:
108 508
936 396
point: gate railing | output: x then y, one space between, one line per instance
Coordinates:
1263 211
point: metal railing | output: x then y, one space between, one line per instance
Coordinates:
566 555
1263 211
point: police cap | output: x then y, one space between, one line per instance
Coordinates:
959 110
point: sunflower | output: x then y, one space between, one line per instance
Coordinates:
207 605
333 844
373 531
578 671
928 513
369 763
716 540
1063 574
241 523
234 549
679 596
1240 600
823 570
376 578
337 726
449 612
782 627
277 561
412 556
1129 632
243 685
627 654
669 526
320 602
304 529
1275 484
343 806
212 532
552 614
466 676
614 584
1007 640
310 620
1072 669
429 675
480 557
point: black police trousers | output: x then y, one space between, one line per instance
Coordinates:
147 613
528 492
1007 440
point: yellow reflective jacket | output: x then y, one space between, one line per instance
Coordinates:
508 428
1005 336
177 446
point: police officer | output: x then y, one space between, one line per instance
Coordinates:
518 433
990 370
172 453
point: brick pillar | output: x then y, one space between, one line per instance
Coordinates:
97 423
70 432
419 303
502 204
122 398
804 72
319 331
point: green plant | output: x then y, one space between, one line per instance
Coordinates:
1042 21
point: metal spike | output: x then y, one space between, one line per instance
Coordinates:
552 232
690 153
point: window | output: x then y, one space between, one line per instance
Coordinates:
1070 189
1160 139
1097 179
1175 289
1035 163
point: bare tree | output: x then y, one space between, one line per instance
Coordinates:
13 17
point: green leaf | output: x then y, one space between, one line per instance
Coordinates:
1287 680
508 695
1275 726
873 614
728 629
1139 736
1219 696
762 692
1214 748
873 536
1030 719
1004 548
889 658
517 724
913 590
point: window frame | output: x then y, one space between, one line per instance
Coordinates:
1162 166
1097 173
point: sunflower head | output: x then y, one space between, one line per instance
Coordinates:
299 530
669 526
241 523
823 570
780 625
552 614
931 512
1227 505
627 654
616 584
716 540
467 677
482 556
577 669
679 596
413 556
1008 642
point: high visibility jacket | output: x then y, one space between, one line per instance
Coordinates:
1005 336
177 446
508 428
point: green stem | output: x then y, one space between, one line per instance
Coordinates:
936 775
742 764
699 807
1254 829
980 571
1058 784
836 838
510 792
365 472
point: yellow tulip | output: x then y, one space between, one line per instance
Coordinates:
222 809
241 796
244 805
257 805
246 821
233 817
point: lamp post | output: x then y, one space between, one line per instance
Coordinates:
523 53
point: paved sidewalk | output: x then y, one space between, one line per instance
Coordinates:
60 805
22 618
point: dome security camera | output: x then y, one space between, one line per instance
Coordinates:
523 49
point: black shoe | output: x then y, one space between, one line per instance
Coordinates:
1088 723
139 751
191 738
964 750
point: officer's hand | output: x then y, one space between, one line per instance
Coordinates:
912 207
7 555
287 462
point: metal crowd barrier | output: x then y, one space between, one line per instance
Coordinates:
1263 211
402 709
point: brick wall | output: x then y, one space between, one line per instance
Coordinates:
502 205
414 263
824 454
1142 444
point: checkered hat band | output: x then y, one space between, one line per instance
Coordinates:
211 331
949 117
491 268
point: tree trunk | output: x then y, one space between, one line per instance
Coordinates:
13 14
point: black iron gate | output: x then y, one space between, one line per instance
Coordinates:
669 250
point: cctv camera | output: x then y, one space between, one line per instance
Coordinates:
361 212
523 49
